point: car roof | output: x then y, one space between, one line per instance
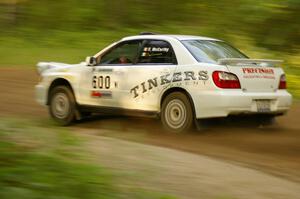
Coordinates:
166 37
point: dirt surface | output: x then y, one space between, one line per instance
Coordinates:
185 175
274 150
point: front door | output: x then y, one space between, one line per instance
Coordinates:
103 84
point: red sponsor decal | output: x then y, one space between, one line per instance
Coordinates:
258 70
101 94
259 76
96 94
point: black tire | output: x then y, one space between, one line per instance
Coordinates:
62 106
177 114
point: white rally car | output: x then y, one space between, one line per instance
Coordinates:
176 78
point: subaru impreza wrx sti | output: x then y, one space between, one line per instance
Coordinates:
176 78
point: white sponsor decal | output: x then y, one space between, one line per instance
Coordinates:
156 49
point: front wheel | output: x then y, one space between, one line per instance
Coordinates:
177 113
62 106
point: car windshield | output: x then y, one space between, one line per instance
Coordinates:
209 51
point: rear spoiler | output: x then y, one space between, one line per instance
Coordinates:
243 62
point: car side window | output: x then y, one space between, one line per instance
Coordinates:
156 52
124 53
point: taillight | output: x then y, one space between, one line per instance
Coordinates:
226 80
282 82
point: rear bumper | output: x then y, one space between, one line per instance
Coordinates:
223 103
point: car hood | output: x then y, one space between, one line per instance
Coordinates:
45 66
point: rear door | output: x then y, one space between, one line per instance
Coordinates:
152 73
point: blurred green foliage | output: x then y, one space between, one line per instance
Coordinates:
41 161
69 30
272 24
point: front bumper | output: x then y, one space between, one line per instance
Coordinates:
41 94
223 103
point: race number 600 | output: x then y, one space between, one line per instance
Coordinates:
101 82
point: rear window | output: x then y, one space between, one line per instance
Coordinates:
209 51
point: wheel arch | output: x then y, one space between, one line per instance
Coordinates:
59 82
177 89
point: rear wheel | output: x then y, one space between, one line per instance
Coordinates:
62 106
177 113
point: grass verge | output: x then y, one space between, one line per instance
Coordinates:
40 161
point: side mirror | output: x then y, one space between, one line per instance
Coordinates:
90 61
